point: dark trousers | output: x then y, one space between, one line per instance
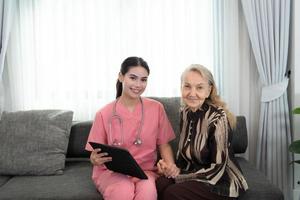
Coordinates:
167 189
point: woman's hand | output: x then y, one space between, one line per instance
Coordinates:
161 167
169 170
97 158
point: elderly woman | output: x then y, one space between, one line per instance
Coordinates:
206 168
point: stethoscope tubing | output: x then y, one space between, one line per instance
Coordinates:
138 140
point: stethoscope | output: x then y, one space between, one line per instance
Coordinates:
114 115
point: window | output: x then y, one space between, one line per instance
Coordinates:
67 54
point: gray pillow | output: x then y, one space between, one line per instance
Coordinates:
34 142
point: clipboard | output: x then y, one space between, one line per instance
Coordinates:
122 161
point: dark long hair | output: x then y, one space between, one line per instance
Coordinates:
126 65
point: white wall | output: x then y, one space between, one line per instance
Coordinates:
295 87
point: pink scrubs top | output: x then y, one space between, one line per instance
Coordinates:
156 130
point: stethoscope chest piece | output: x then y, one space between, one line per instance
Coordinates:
138 141
116 143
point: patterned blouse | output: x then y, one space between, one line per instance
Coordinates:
204 152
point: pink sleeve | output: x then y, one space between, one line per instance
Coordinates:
97 132
166 132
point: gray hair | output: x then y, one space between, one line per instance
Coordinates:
214 98
203 71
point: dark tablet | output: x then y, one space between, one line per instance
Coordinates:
122 160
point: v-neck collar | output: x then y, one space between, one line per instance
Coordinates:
123 109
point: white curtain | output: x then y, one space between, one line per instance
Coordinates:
7 11
235 70
268 25
66 54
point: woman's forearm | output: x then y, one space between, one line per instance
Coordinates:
166 153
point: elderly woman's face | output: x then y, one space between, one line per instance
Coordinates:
194 89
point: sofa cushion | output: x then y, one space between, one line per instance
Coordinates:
75 183
34 142
259 186
240 136
4 179
78 138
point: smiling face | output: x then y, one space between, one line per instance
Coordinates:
194 89
134 82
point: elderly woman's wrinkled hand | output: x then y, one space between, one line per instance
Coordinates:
169 170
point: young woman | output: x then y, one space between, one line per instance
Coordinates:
208 168
138 124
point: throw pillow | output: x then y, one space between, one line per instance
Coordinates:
34 142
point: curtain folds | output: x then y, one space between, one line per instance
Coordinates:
226 55
67 54
235 70
229 46
7 12
219 19
268 26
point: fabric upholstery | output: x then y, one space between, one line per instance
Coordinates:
74 184
240 136
4 179
78 138
34 142
259 186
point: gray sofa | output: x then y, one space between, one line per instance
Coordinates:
75 182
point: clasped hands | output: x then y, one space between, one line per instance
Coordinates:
169 170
